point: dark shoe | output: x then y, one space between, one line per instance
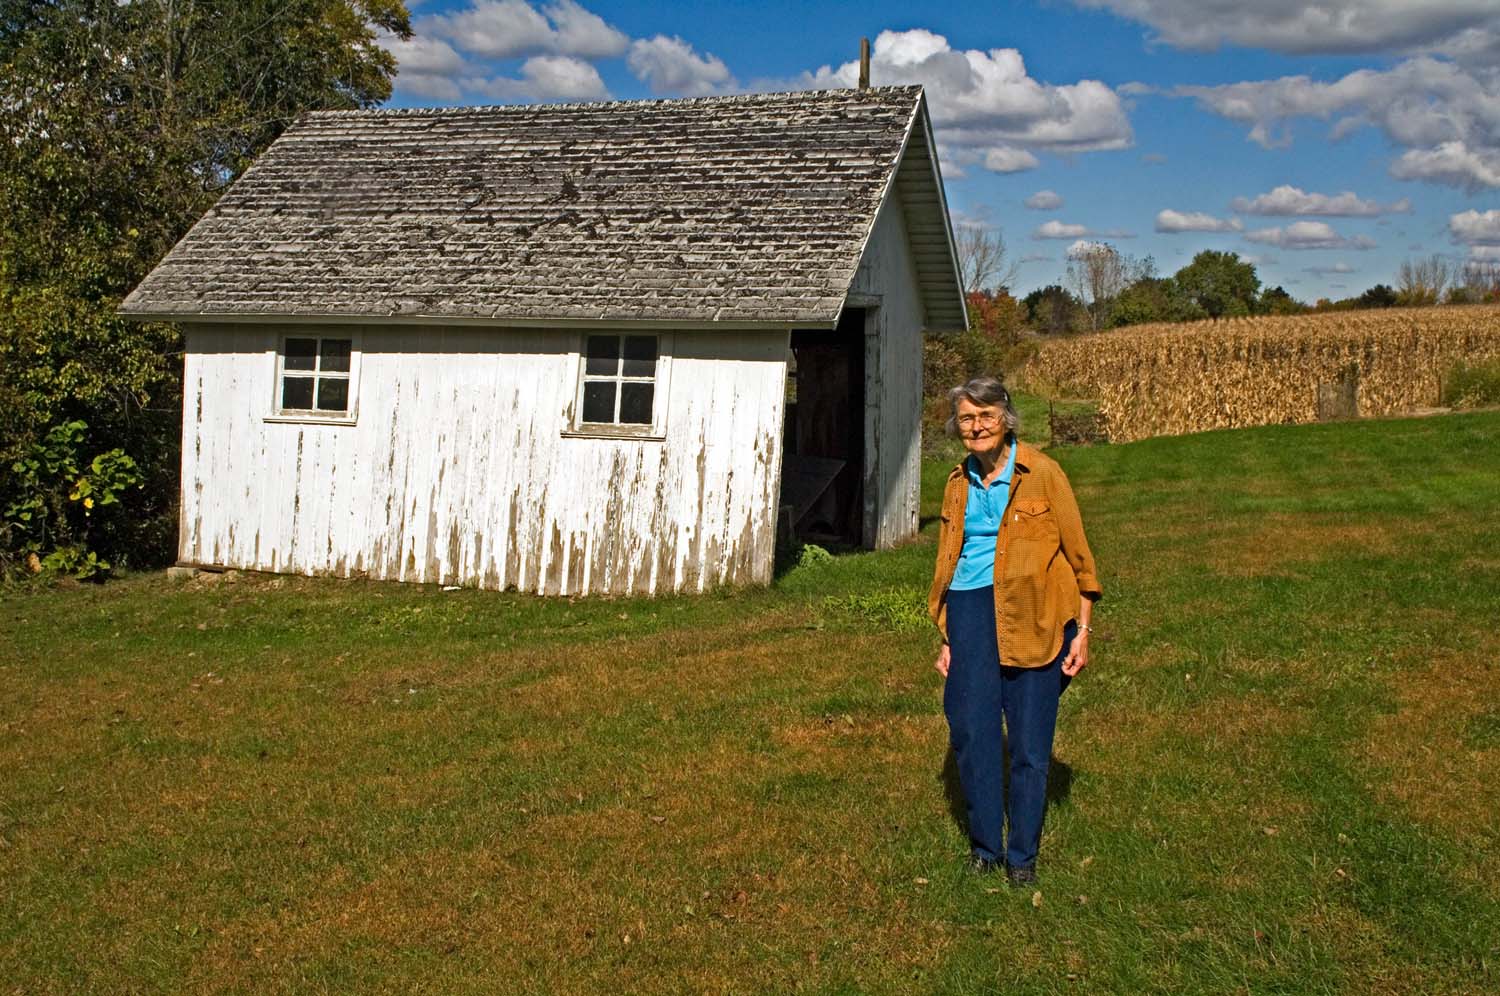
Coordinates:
983 866
1021 876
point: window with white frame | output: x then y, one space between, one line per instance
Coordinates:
620 383
313 377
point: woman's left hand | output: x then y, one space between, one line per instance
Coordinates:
1078 654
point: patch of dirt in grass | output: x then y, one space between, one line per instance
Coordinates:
417 903
834 732
715 885
1281 540
1441 752
1479 565
1123 738
622 668
44 728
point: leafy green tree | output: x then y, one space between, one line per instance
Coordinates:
1219 283
1154 299
1054 309
1342 304
1379 296
120 124
1276 301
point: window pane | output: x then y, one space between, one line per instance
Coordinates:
635 403
297 392
599 401
333 394
301 354
640 356
603 356
336 355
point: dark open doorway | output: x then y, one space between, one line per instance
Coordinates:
822 480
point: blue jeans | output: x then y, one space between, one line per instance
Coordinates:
978 695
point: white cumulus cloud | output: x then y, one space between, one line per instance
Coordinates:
1171 221
458 55
1044 200
1312 26
1290 201
1445 115
1308 235
1329 271
504 29
1475 228
1453 163
427 67
670 65
985 101
1067 230
1007 160
583 33
422 56
1059 230
544 77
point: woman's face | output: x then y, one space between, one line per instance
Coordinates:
981 427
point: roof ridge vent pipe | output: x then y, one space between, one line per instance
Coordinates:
864 63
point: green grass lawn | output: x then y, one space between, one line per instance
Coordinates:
1280 775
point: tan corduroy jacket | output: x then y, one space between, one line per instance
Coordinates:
1042 559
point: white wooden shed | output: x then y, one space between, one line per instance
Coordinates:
563 349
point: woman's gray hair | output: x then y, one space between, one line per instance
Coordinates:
986 392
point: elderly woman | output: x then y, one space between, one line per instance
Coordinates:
1012 593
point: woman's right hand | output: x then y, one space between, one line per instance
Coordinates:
944 657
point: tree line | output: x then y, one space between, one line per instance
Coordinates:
1105 288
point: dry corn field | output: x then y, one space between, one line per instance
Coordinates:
1157 380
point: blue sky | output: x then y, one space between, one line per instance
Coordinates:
1326 140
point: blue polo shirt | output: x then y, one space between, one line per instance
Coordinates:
982 516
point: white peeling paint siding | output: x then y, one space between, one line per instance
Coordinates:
894 384
457 469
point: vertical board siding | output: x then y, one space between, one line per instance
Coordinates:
887 270
458 470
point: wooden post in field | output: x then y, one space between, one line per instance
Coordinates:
864 63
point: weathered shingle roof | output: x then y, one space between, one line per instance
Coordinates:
740 209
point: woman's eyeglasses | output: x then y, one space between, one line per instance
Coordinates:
985 420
